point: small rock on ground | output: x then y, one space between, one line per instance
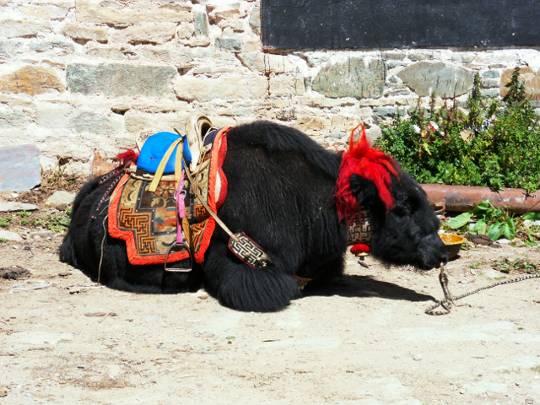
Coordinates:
60 199
8 206
14 273
11 236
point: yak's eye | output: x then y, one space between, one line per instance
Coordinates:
401 211
413 203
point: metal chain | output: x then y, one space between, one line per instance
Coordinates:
449 301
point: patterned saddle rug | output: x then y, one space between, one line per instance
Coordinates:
147 221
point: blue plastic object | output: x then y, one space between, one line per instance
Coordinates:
155 147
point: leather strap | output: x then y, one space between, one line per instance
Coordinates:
194 187
161 168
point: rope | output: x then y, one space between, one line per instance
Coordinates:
116 175
449 301
102 247
195 188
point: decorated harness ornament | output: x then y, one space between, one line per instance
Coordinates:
373 165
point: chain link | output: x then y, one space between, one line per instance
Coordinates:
449 301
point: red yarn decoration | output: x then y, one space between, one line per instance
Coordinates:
367 162
127 157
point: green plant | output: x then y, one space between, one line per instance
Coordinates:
495 144
485 219
516 265
5 221
56 222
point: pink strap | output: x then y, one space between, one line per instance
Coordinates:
179 196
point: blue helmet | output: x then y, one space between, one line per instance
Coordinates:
154 149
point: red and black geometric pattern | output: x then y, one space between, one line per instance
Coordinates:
147 221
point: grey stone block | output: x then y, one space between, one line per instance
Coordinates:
8 206
231 44
352 78
119 79
19 168
441 79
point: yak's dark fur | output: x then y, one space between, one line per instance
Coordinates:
281 193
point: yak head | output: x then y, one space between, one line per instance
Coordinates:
404 226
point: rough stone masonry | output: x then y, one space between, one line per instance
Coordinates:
87 74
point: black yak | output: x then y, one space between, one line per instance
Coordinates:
289 195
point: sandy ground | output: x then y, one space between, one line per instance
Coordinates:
365 339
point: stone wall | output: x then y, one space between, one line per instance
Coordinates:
85 74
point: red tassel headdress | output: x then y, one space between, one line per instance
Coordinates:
367 162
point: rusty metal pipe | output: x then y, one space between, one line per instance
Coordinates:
464 198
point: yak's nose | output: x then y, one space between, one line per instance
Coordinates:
444 258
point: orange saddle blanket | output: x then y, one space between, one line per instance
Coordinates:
147 221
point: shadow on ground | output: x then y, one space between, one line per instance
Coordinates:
364 286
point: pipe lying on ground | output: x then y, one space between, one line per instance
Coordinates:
464 198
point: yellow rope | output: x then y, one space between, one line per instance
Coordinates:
161 168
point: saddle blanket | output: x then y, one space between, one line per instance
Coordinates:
147 221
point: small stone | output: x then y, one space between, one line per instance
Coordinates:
202 295
41 234
9 206
31 80
30 286
14 273
84 33
60 199
385 111
20 169
440 79
231 44
146 33
4 391
10 236
226 87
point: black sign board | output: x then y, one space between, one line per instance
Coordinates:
368 24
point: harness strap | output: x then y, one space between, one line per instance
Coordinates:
161 168
195 188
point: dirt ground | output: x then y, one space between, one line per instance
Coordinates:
363 340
